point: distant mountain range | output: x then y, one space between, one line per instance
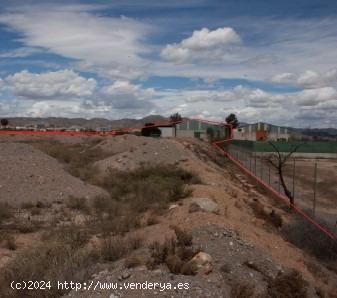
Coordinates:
85 123
316 133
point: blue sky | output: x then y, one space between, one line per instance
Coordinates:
269 60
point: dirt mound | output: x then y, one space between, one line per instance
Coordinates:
42 138
130 152
28 175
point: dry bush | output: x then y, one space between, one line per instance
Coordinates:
10 242
27 205
112 248
58 258
184 238
35 211
5 212
72 235
307 237
288 285
174 264
148 186
26 227
77 203
159 252
133 261
317 271
186 253
134 192
189 268
176 255
78 157
242 290
152 219
274 218
135 242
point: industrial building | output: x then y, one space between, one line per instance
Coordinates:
195 128
261 132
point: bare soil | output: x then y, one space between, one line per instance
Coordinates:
246 249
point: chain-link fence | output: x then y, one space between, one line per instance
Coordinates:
312 182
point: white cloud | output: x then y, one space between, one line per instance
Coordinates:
278 47
200 45
124 95
308 79
73 32
50 85
205 38
20 52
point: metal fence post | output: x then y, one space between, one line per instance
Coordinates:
255 163
294 178
261 163
279 184
315 190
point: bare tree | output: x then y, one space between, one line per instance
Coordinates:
278 161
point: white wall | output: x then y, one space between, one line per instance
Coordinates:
167 132
185 133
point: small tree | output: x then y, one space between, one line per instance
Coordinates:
279 162
231 119
175 117
4 122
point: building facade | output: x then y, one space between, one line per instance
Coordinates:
261 132
201 129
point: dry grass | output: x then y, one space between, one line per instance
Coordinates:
148 186
135 192
78 158
152 219
8 241
174 254
242 290
271 217
133 261
183 237
307 237
113 248
61 256
5 212
26 227
77 203
288 285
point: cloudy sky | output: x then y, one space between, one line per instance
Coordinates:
265 60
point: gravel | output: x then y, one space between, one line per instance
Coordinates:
28 175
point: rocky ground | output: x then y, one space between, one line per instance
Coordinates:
236 267
233 222
27 176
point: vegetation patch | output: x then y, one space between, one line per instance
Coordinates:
174 254
307 237
61 256
288 285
